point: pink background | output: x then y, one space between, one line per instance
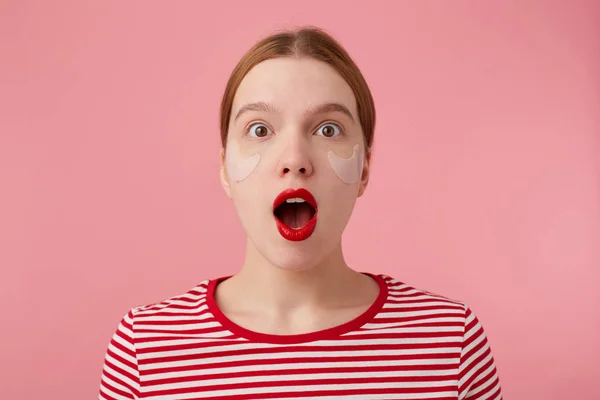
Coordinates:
485 187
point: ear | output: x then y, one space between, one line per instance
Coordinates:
364 179
223 175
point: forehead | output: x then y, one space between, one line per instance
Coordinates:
293 84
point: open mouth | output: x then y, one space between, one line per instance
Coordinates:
295 212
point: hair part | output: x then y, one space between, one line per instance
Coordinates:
309 42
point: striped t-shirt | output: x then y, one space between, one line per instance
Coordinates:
410 344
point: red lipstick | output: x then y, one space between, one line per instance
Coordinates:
295 212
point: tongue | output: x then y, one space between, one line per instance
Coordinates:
296 215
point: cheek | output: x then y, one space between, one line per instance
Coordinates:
336 209
249 204
349 170
237 167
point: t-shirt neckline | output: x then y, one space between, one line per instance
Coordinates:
324 334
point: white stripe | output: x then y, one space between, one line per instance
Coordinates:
400 299
279 357
292 353
198 305
422 313
153 318
205 335
176 327
313 366
282 382
333 390
431 303
195 302
406 396
244 345
377 325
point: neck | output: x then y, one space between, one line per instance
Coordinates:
276 290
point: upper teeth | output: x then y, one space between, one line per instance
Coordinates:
295 200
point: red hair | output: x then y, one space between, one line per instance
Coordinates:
304 42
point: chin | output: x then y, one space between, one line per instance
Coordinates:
267 243
296 256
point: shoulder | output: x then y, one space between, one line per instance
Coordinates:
192 299
431 307
402 295
404 292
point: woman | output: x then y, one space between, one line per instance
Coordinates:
297 122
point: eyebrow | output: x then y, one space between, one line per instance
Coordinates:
320 109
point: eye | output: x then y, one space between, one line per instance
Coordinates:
329 130
258 130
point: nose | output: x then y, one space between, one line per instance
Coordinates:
295 159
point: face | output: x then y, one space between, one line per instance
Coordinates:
294 126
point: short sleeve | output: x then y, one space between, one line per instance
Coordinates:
120 376
477 374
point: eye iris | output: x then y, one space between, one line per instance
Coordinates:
261 131
328 131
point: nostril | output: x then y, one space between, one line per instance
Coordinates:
300 170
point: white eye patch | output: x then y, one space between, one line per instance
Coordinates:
349 170
237 167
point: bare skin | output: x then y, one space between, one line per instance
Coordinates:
278 303
286 288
